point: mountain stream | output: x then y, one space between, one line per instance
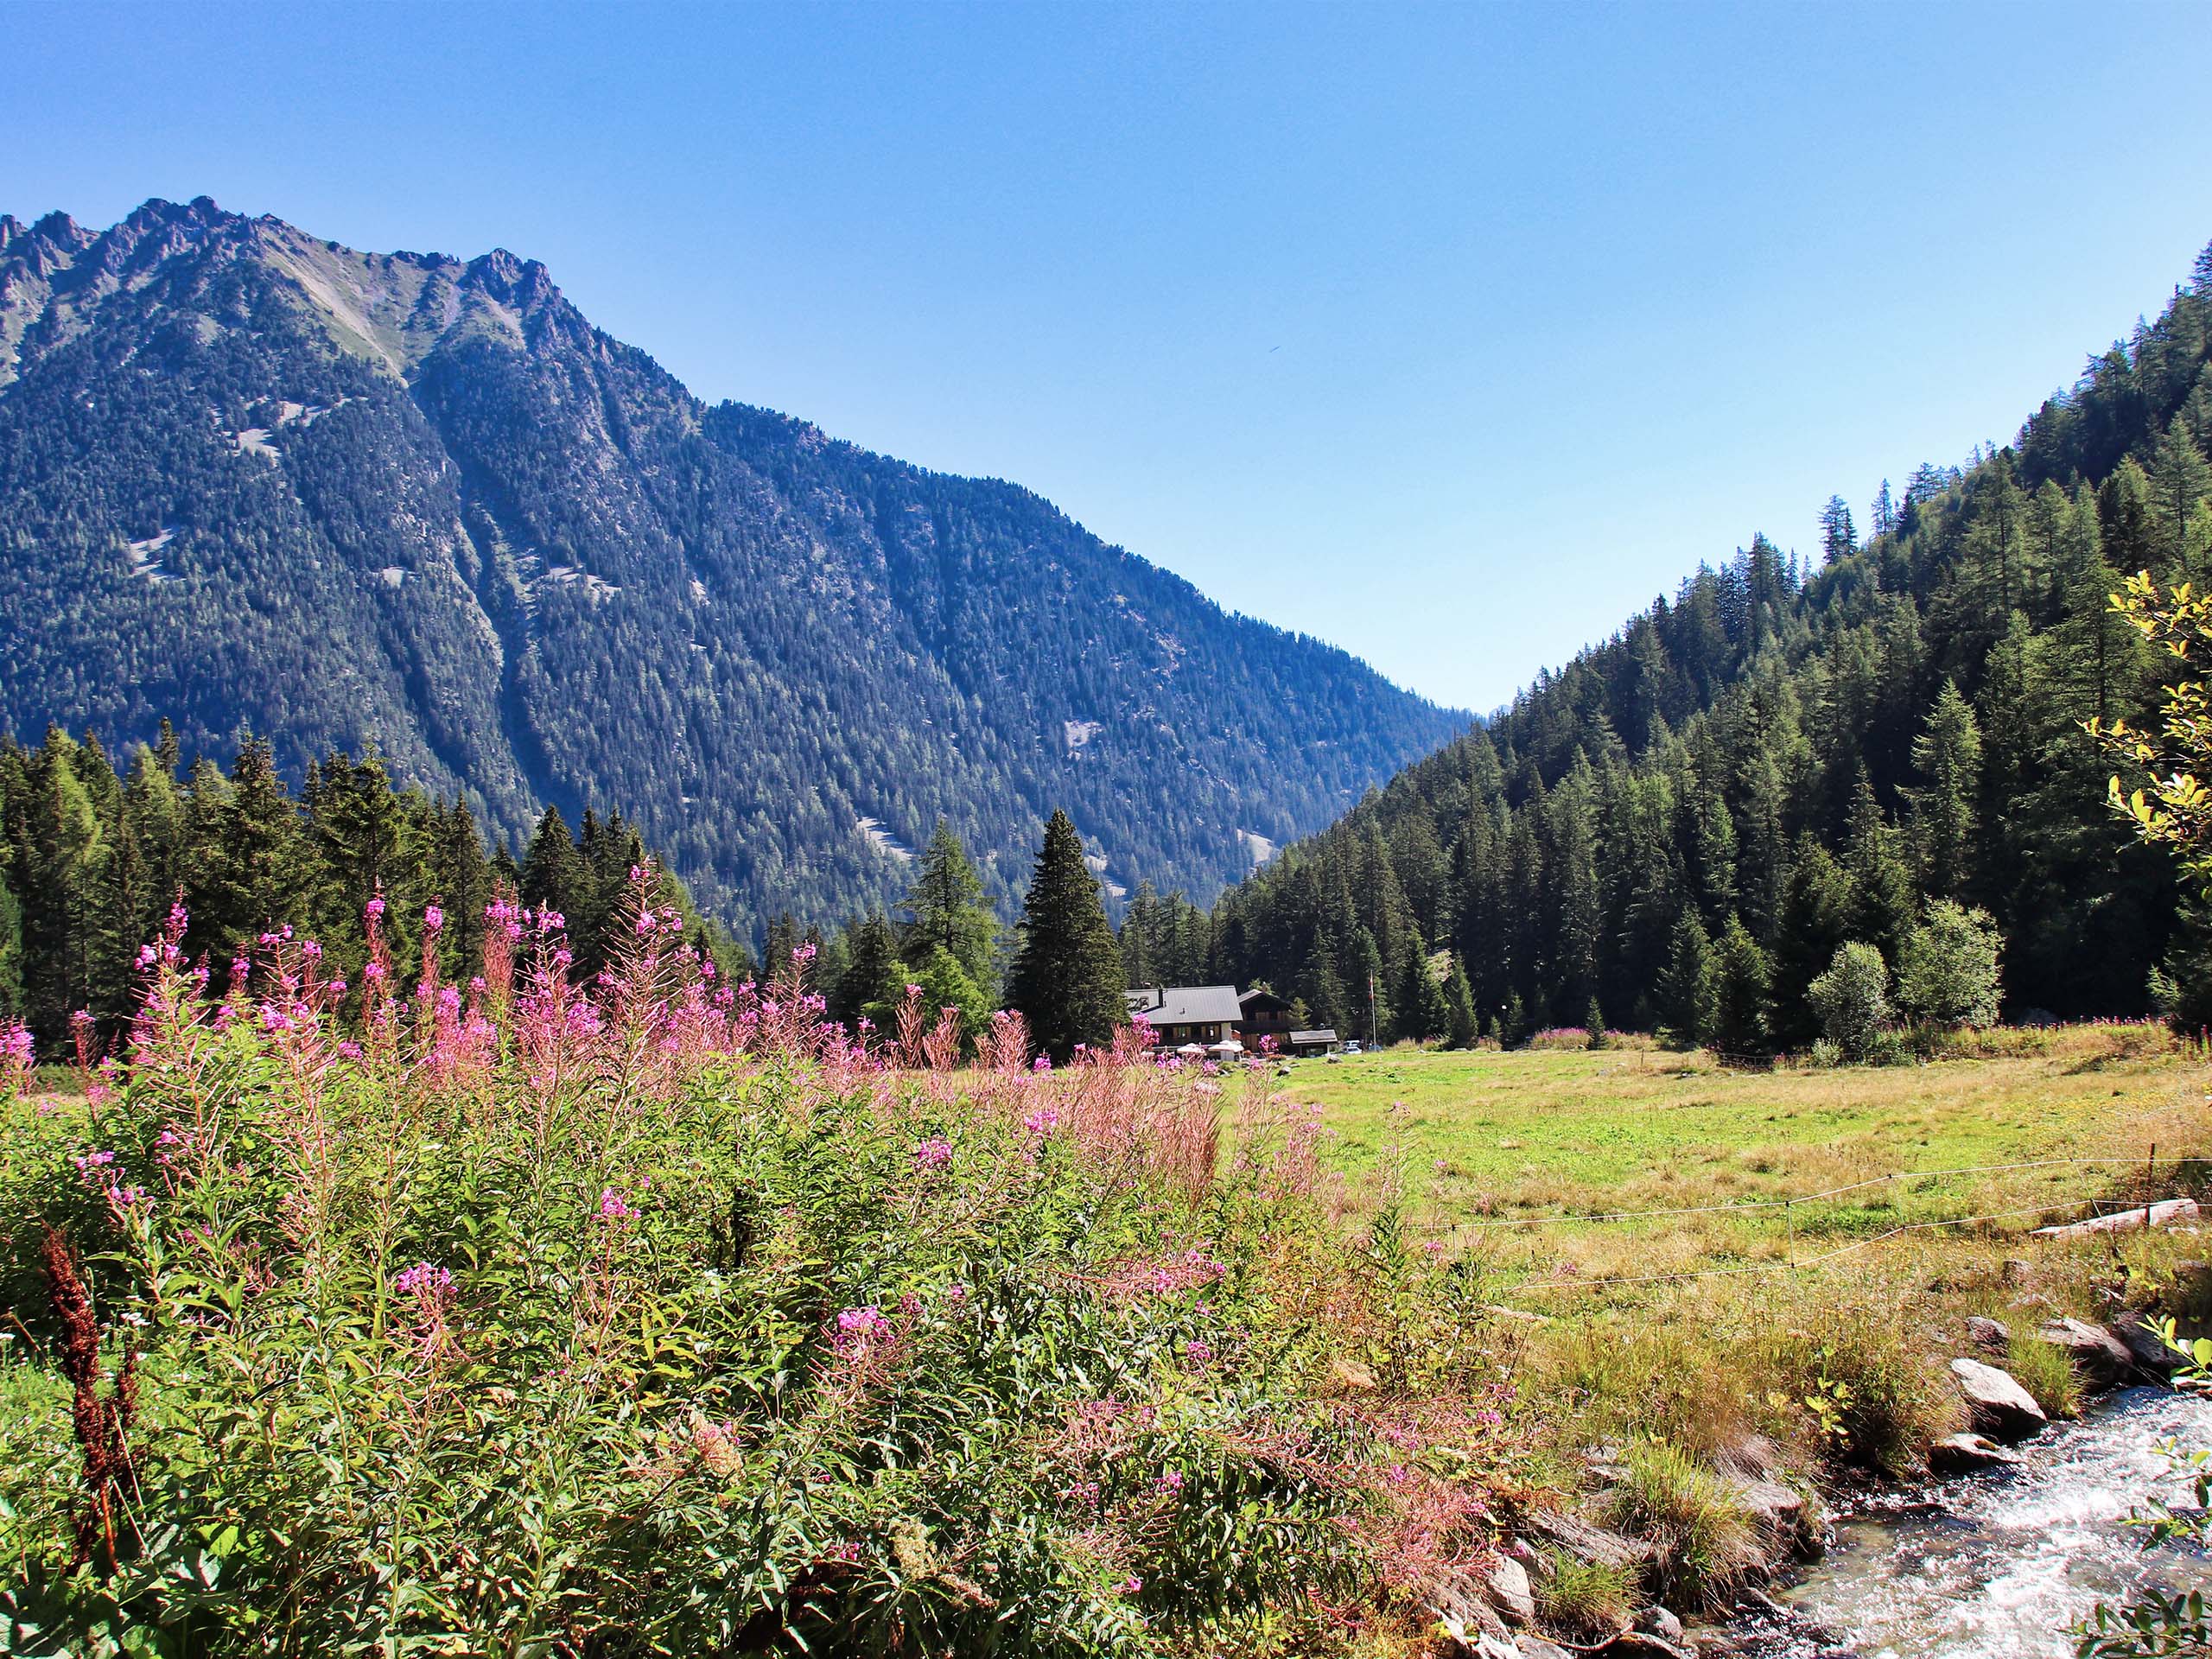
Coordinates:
1999 1565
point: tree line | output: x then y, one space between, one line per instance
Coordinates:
92 856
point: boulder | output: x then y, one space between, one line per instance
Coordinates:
1959 1454
1506 1583
2146 1348
1587 1543
1657 1621
1643 1642
1780 1511
2167 1213
1534 1647
1461 1603
2097 1355
1996 1405
1988 1334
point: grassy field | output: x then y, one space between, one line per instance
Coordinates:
1493 1144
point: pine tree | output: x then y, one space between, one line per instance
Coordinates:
1743 980
1816 917
949 907
554 874
1947 755
1838 537
1066 979
1885 512
250 860
1883 903
2180 480
1462 1029
1689 994
875 978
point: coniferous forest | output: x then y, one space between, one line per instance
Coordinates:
1681 827
92 858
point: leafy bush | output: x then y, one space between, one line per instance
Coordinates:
1852 1000
1948 972
665 1319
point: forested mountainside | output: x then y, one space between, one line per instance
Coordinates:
1781 759
251 480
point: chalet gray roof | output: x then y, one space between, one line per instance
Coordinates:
1186 1005
1260 993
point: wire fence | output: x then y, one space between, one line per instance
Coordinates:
1805 1215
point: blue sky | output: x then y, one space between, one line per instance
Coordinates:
1450 334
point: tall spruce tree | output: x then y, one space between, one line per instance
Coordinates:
1066 979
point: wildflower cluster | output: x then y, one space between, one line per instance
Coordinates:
668 1283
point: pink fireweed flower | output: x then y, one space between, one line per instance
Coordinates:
933 1154
274 1018
1042 1062
1198 1351
613 1209
350 1049
1172 1481
1132 1585
93 1160
425 1280
858 1330
1042 1122
432 919
373 972
124 1197
374 909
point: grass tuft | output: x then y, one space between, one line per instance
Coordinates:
1584 1601
1705 1537
2046 1371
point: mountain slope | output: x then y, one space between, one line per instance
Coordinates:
1785 750
252 479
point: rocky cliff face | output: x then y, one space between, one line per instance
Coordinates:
250 480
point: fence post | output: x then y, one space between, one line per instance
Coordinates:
1790 1229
